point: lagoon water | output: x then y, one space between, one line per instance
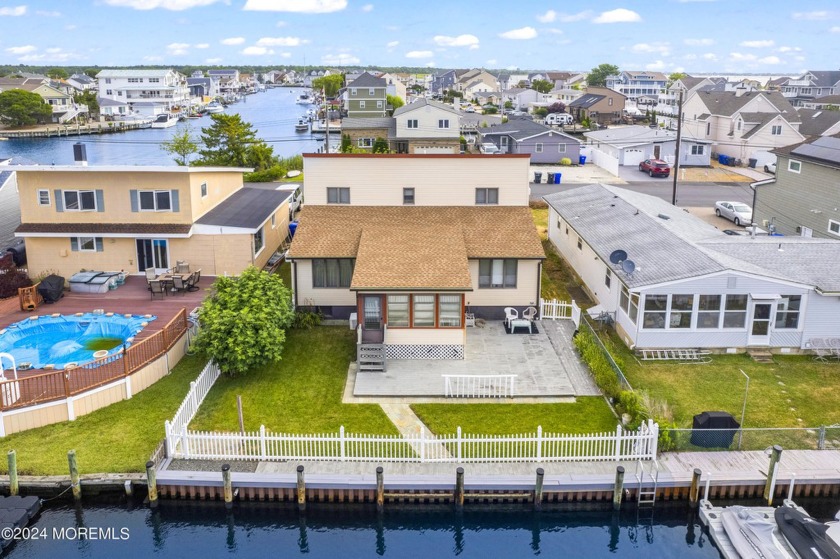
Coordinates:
273 114
181 529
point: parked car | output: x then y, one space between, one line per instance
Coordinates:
770 168
488 148
655 167
737 212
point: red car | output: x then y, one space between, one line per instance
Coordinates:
655 167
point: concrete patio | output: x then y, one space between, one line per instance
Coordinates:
545 363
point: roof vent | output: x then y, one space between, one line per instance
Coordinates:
663 216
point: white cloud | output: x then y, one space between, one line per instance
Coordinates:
690 57
657 66
547 17
522 33
740 57
281 41
699 42
202 46
367 8
813 16
430 64
419 54
459 41
661 48
793 49
44 13
16 11
770 60
296 6
178 49
26 49
758 44
554 31
256 51
710 56
174 5
285 55
835 29
212 60
619 15
571 18
282 23
53 50
339 59
492 62
392 44
233 41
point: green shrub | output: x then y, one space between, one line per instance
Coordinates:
267 175
594 357
306 320
631 403
565 161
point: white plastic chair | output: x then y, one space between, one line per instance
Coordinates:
530 313
510 314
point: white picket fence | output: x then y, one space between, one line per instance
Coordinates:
422 448
479 386
559 310
189 407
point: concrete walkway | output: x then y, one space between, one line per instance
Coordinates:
409 425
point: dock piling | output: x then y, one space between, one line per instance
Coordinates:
227 484
694 491
770 486
129 491
618 490
14 488
74 474
151 480
301 489
380 489
538 489
459 488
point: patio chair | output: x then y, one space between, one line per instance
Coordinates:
192 282
820 349
178 285
510 314
150 274
156 287
530 314
182 267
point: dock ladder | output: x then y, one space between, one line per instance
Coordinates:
647 476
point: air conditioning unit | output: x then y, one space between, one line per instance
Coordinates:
765 222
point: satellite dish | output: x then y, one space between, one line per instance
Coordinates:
618 256
628 266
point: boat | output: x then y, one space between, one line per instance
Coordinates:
305 98
808 537
165 121
319 126
214 107
753 534
302 125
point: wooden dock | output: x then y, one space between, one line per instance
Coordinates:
59 130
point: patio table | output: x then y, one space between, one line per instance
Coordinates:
520 323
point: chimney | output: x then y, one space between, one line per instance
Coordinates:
740 90
80 154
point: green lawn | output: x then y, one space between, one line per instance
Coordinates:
299 394
587 415
285 273
118 438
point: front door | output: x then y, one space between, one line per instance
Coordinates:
372 331
656 151
762 314
154 254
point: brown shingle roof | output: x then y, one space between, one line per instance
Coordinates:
106 228
415 247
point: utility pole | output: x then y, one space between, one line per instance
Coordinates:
676 168
326 119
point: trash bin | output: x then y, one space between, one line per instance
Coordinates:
557 177
537 178
752 163
723 159
583 160
550 178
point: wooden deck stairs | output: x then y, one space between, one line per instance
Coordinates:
761 355
370 357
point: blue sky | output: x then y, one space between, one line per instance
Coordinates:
735 36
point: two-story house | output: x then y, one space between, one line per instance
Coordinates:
366 96
227 80
802 199
741 124
426 126
146 92
62 105
410 243
82 82
599 105
134 218
637 84
667 106
811 85
543 143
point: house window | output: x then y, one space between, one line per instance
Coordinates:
486 195
538 148
497 273
580 244
708 128
371 92
353 91
443 123
365 142
79 200
787 311
259 241
449 311
155 200
408 196
338 195
681 309
43 197
567 230
708 311
203 189
610 101
361 104
794 166
776 130
656 308
87 244
608 278
154 80
109 92
398 311
561 148
332 272
379 104
834 227
424 311
735 315
698 150
739 125
629 302
412 123
273 221
107 80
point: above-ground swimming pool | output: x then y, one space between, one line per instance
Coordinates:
61 340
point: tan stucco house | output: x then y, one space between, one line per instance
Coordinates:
130 218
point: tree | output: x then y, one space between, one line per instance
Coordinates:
543 86
183 145
58 73
675 76
88 98
231 142
244 322
541 112
557 107
395 101
598 76
330 84
23 108
380 145
508 104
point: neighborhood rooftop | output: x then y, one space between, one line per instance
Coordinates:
247 208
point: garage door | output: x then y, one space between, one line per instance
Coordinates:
433 149
633 157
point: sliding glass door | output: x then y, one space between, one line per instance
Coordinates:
153 254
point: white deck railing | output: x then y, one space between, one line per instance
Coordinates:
421 448
559 310
479 386
198 391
